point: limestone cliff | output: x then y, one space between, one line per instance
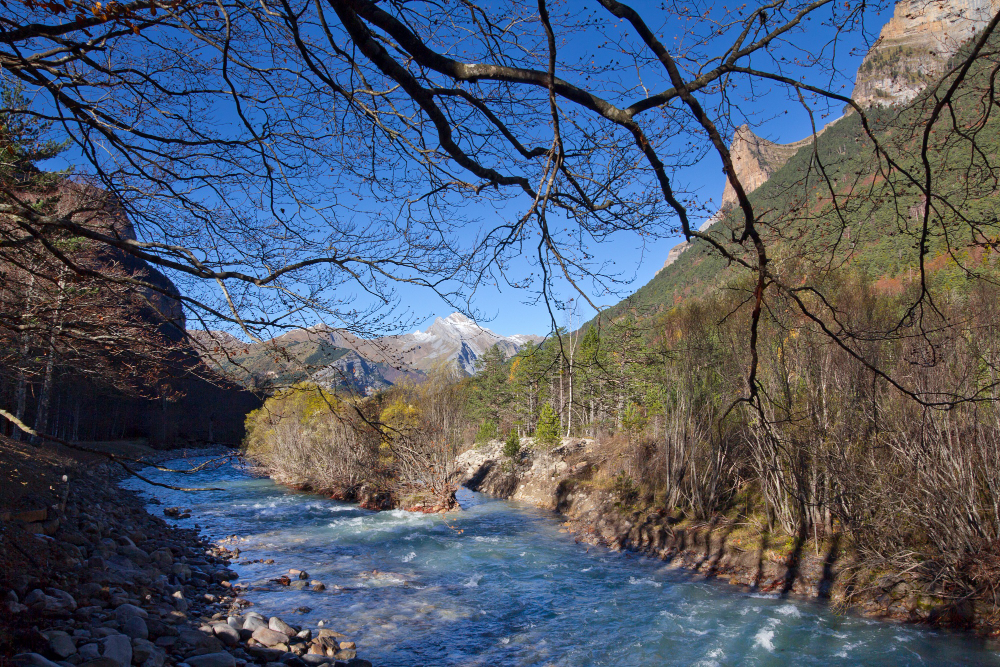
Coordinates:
754 160
911 52
914 47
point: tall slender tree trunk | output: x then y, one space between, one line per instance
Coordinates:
45 395
21 390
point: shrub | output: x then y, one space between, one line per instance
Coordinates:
512 446
626 489
547 430
488 431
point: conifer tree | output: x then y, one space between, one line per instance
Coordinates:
547 430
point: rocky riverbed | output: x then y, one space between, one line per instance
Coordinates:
95 580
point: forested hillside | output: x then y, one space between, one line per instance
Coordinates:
865 409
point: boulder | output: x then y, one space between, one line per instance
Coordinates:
279 625
119 649
61 645
358 662
31 660
221 659
269 637
144 650
162 558
135 628
89 652
126 610
254 623
227 634
261 653
100 662
65 599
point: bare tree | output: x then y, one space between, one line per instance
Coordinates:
280 158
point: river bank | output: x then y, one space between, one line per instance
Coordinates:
564 480
505 583
91 578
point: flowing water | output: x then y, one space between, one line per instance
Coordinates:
499 584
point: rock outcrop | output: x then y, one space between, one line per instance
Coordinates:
755 159
914 47
533 476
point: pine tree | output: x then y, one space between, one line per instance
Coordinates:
547 430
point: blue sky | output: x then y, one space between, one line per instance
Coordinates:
770 113
634 261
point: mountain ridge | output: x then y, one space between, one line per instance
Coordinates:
338 359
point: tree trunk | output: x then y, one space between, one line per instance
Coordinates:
45 396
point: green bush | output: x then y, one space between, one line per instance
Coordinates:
487 431
626 489
512 446
547 430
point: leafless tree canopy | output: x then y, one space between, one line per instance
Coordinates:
281 157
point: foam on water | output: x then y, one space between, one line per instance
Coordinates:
763 639
498 584
645 581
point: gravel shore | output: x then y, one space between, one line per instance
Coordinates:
95 580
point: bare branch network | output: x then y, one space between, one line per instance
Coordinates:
283 161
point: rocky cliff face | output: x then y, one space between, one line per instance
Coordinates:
754 160
910 53
914 47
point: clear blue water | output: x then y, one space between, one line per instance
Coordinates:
499 584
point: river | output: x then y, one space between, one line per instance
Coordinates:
500 584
